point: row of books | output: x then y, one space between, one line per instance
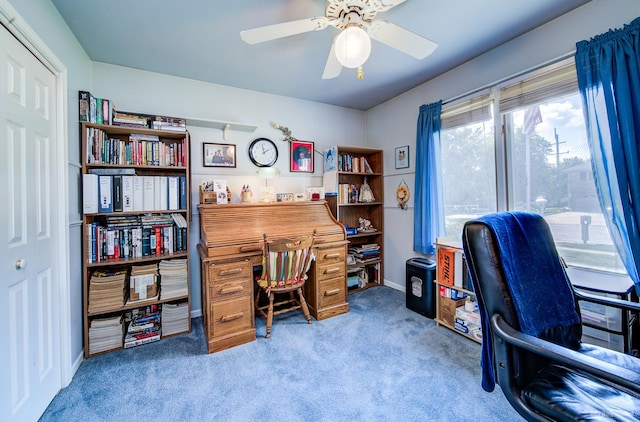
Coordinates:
135 239
105 193
112 289
348 193
93 109
452 268
101 111
136 149
350 163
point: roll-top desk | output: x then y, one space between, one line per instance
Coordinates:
230 246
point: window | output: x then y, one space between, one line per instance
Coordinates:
468 163
547 164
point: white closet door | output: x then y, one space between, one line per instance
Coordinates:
29 301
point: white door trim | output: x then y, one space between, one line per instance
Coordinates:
10 18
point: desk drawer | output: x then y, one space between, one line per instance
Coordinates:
330 255
229 271
332 292
331 270
231 250
223 290
230 316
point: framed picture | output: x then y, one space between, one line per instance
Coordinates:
402 157
218 155
301 156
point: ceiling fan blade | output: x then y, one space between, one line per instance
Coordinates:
333 68
384 5
401 39
281 30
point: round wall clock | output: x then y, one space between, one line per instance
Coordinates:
263 152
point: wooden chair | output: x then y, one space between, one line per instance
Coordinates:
285 263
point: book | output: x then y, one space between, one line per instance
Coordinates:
138 193
173 192
127 193
106 195
148 193
183 193
84 98
117 192
90 197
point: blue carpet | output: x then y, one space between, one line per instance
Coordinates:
379 362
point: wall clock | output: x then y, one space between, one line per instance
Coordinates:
263 152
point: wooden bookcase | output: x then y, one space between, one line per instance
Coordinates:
448 292
352 170
172 230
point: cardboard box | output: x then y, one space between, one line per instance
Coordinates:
447 309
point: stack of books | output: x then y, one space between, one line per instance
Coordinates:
365 253
175 318
174 124
143 326
107 289
143 283
121 118
173 273
105 334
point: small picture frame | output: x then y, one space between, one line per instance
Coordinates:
402 157
301 156
218 155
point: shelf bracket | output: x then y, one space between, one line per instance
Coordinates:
225 131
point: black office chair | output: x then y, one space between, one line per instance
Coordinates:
532 327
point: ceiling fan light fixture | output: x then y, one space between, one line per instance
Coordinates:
352 46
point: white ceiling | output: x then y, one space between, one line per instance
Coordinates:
199 39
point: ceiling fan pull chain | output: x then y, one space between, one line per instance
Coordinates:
360 73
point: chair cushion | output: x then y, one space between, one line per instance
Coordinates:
620 359
562 394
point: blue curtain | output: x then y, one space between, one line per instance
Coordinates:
429 204
608 69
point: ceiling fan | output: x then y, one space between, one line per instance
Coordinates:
357 24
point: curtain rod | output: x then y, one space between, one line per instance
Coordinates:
507 78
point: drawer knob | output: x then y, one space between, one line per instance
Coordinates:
231 290
332 255
231 271
332 270
332 292
232 317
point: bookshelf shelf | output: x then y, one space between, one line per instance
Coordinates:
128 209
130 261
133 305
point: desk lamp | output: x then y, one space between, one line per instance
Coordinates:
268 194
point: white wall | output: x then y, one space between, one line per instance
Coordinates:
393 123
44 20
153 93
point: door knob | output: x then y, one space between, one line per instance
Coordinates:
21 264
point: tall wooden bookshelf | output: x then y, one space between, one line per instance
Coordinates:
138 229
355 164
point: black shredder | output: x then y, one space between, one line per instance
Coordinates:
420 288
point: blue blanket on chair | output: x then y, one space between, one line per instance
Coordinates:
541 292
